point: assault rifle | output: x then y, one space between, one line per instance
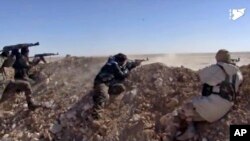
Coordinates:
40 57
235 60
141 60
131 64
19 46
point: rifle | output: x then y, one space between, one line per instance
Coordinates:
141 60
40 57
46 54
235 60
137 62
19 46
132 64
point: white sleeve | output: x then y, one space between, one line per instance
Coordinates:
239 80
211 75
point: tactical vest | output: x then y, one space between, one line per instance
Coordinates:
227 88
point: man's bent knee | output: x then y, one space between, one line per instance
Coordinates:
189 113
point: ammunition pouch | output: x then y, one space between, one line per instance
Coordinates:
207 90
227 89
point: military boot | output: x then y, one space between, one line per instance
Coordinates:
188 134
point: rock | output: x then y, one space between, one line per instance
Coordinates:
47 81
129 96
56 82
96 124
6 136
165 138
166 119
221 133
13 126
204 139
135 117
55 128
103 130
170 79
6 113
65 83
97 137
71 115
158 82
172 103
49 104
35 139
156 75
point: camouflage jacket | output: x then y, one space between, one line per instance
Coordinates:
112 73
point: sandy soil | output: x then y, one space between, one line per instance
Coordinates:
192 61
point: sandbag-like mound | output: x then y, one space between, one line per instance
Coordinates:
153 90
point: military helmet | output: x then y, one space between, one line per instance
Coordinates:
223 55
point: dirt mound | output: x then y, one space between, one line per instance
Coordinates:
153 90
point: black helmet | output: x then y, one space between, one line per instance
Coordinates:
120 57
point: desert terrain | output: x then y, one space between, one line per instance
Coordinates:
192 61
156 88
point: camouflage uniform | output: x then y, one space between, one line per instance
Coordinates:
17 86
109 82
21 83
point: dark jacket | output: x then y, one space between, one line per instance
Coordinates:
112 73
21 67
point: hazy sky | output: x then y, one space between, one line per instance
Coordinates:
104 27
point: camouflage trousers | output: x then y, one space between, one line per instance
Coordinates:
101 96
15 86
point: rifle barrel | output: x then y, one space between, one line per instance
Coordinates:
45 54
